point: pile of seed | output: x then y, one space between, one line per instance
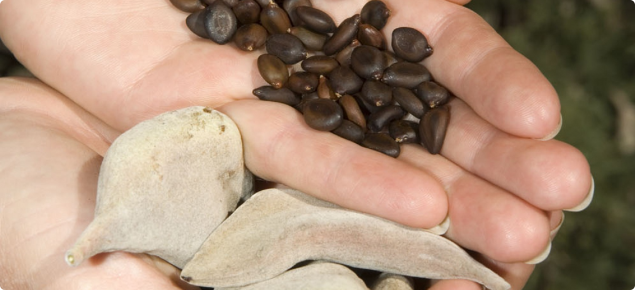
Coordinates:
342 78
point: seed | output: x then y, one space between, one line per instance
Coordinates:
380 119
404 132
230 3
282 95
304 99
324 89
409 101
391 58
196 23
343 35
345 81
287 47
311 40
353 111
375 13
368 62
376 93
220 22
406 74
273 70
432 94
383 143
319 64
262 3
315 19
291 5
275 19
188 5
433 127
344 56
247 11
350 131
410 44
303 82
323 114
369 35
250 37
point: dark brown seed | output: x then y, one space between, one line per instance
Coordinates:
433 127
353 111
220 22
303 82
343 35
250 37
230 3
410 44
409 101
344 56
324 89
432 94
287 47
273 70
382 143
350 131
319 64
315 19
291 5
406 74
196 23
275 19
404 132
375 13
368 62
311 40
369 35
366 107
323 114
262 3
376 93
282 95
305 99
391 58
247 11
380 119
188 5
345 81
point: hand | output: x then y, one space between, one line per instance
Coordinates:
125 61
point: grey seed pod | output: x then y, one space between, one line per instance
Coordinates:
406 74
287 47
250 37
388 281
350 131
273 70
432 94
343 35
433 128
247 11
190 6
311 40
220 22
410 44
275 19
290 6
282 95
196 23
323 114
315 19
368 62
375 13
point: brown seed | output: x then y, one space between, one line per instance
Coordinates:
353 111
406 74
342 36
250 37
368 62
324 89
376 93
282 95
432 94
287 47
433 127
344 56
319 64
323 114
220 22
291 5
230 3
315 19
345 81
196 23
369 35
391 58
404 132
262 3
380 119
410 44
273 70
409 101
375 13
350 131
304 99
303 82
383 143
275 19
311 40
188 5
247 11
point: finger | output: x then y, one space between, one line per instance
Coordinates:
515 274
279 146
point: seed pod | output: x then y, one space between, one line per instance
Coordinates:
323 114
319 64
196 23
406 74
290 6
345 81
369 35
353 111
409 101
250 37
350 131
368 62
380 119
287 47
375 13
404 132
410 44
376 93
432 94
303 82
344 56
388 281
311 40
273 70
190 6
315 19
433 127
382 143
324 89
220 22
342 36
247 11
282 95
275 19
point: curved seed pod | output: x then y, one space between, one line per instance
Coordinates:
273 70
220 22
324 89
353 111
375 13
345 81
376 93
196 23
164 185
282 95
406 74
247 11
368 62
404 132
310 39
320 64
350 131
388 281
344 56
275 19
409 101
383 143
433 127
287 47
432 94
369 35
380 119
410 44
315 19
291 5
343 35
250 37
190 6
303 82
323 114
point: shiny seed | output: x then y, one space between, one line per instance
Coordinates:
404 132
303 82
375 13
247 11
343 35
323 114
409 101
275 19
369 35
188 5
311 40
432 94
262 3
368 62
353 111
410 44
250 37
376 93
433 127
287 47
196 23
319 64
282 95
220 22
406 74
391 58
315 19
350 131
273 70
291 5
325 90
230 3
304 99
345 81
344 56
383 143
380 119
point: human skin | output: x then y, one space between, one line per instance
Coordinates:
105 66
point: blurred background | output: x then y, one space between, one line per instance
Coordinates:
586 48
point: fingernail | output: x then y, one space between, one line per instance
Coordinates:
442 228
554 232
587 201
554 133
541 257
